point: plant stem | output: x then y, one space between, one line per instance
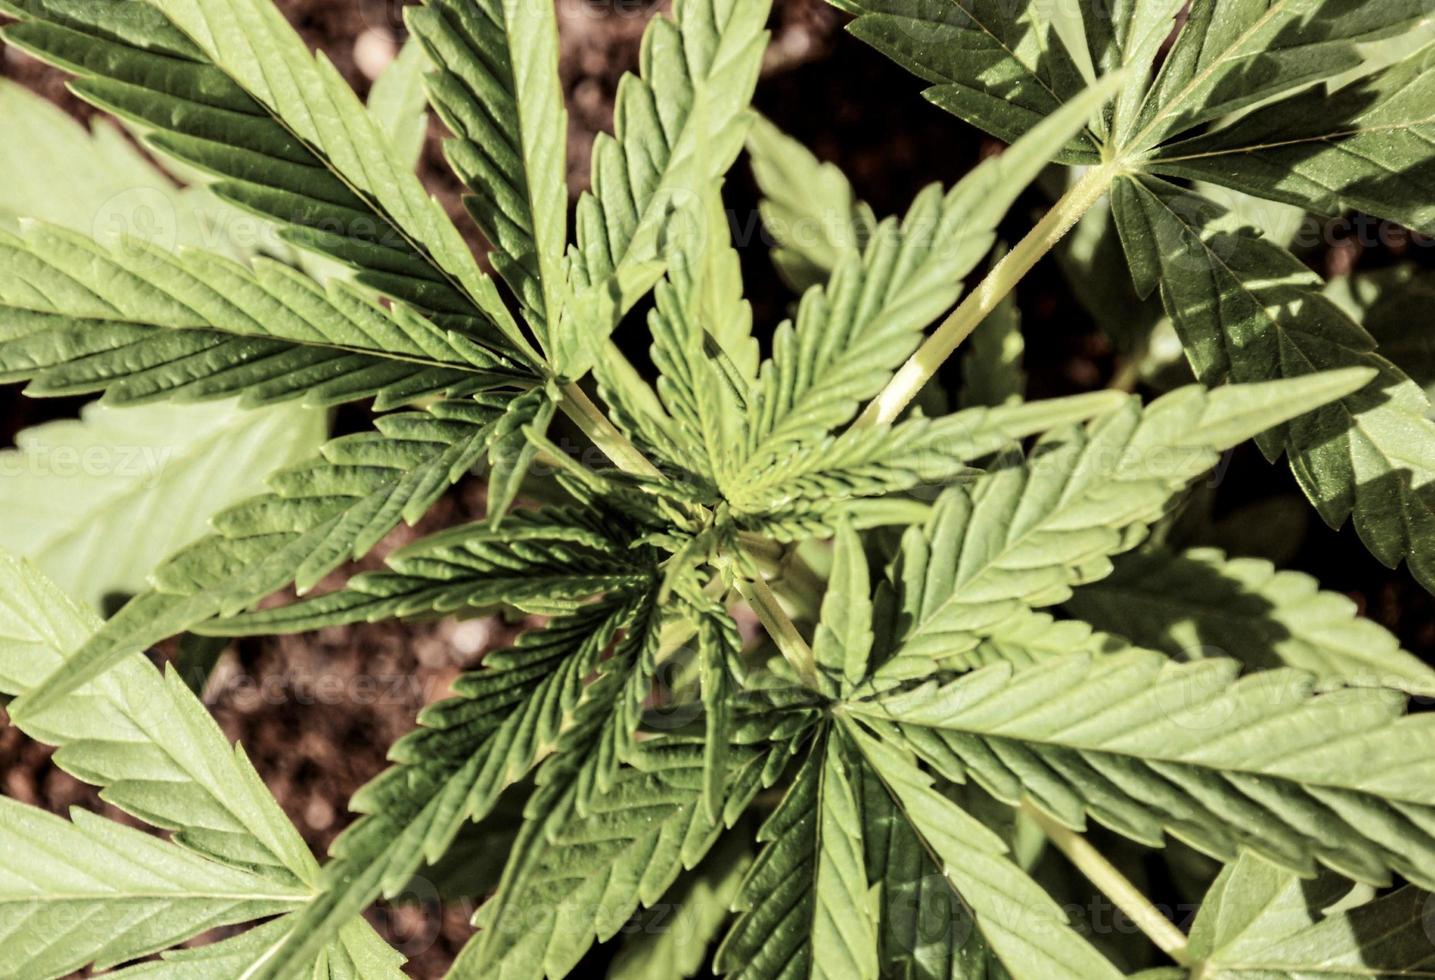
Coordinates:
1002 279
605 435
780 627
1114 885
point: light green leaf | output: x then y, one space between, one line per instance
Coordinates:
135 894
809 487
97 503
804 904
318 515
843 641
1025 928
399 105
469 748
97 183
1201 604
1024 535
674 945
808 207
357 954
156 753
703 349
545 562
679 125
1143 745
143 738
851 335
226 88
497 89
143 324
1258 921
1250 311
595 867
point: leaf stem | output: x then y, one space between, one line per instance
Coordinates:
605 435
781 628
1114 885
1002 279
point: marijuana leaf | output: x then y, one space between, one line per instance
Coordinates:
233 91
136 893
1248 310
504 102
808 207
1023 535
1260 921
317 515
156 753
1200 603
1366 147
1143 744
92 527
804 903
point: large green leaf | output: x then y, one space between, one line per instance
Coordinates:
142 324
1248 311
230 89
673 945
467 750
1370 146
1199 603
1023 535
1258 921
99 502
1142 745
546 562
678 126
496 86
156 753
318 515
805 909
1025 928
851 334
135 894
591 867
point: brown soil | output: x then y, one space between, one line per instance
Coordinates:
317 713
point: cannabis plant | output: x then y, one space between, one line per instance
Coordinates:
840 655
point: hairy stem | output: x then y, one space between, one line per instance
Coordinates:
780 627
1002 279
1114 885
